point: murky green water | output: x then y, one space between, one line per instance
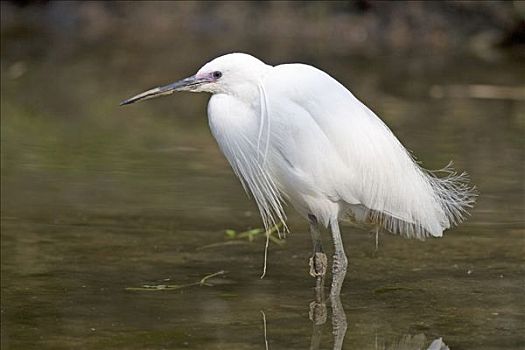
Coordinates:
97 199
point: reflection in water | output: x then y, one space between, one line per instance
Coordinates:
264 328
318 315
416 342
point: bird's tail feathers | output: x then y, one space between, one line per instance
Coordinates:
452 197
453 192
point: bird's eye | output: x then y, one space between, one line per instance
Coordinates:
217 74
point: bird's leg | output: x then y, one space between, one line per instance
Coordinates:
318 261
340 261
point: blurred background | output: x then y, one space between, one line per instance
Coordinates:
99 199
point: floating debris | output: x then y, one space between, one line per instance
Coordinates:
157 287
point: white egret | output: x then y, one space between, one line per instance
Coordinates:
292 133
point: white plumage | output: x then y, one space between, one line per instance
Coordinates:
302 136
294 134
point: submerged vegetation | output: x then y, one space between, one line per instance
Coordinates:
157 287
252 234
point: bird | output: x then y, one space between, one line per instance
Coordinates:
294 135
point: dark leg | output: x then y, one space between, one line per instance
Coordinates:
340 261
318 261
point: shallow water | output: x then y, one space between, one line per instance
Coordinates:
98 200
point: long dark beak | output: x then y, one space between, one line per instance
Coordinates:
181 85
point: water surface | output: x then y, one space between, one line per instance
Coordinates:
98 199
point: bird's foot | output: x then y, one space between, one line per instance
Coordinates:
318 264
339 266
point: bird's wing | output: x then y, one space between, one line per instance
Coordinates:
357 159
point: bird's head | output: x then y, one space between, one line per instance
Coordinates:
235 74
